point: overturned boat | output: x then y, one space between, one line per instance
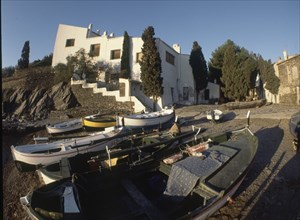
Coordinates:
31 156
189 180
66 126
148 119
98 121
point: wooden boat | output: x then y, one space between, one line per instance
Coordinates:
147 119
65 126
90 161
29 157
193 187
214 115
98 121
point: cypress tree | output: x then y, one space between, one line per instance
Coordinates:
23 62
199 68
230 64
267 73
125 61
151 67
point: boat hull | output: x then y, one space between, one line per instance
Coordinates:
149 193
64 127
42 154
96 121
215 115
148 119
294 125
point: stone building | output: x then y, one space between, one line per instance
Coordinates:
288 72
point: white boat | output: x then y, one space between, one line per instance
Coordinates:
147 119
30 157
65 126
214 115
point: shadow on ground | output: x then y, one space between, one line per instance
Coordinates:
269 140
281 199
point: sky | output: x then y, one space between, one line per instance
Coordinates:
263 27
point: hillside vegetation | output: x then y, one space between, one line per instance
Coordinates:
30 78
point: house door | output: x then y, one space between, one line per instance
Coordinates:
122 89
172 94
185 93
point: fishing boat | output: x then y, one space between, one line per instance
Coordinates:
294 125
90 161
147 119
98 121
214 115
65 126
29 157
179 185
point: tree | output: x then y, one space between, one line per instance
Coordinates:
125 60
80 64
151 67
23 62
199 68
267 74
229 73
46 61
61 73
216 62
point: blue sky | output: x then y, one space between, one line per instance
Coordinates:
263 27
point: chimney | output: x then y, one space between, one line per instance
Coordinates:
285 56
177 48
89 32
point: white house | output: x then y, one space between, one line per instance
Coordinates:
178 83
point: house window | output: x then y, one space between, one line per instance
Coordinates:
95 50
170 58
139 57
115 54
70 42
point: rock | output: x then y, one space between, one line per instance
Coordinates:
63 97
36 104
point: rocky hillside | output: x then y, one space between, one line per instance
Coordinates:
32 95
36 103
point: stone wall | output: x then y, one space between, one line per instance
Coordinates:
96 102
289 75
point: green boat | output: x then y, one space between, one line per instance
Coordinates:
188 180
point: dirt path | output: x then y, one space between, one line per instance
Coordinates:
271 189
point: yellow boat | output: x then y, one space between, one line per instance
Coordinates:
99 121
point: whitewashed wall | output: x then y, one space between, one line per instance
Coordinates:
175 76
